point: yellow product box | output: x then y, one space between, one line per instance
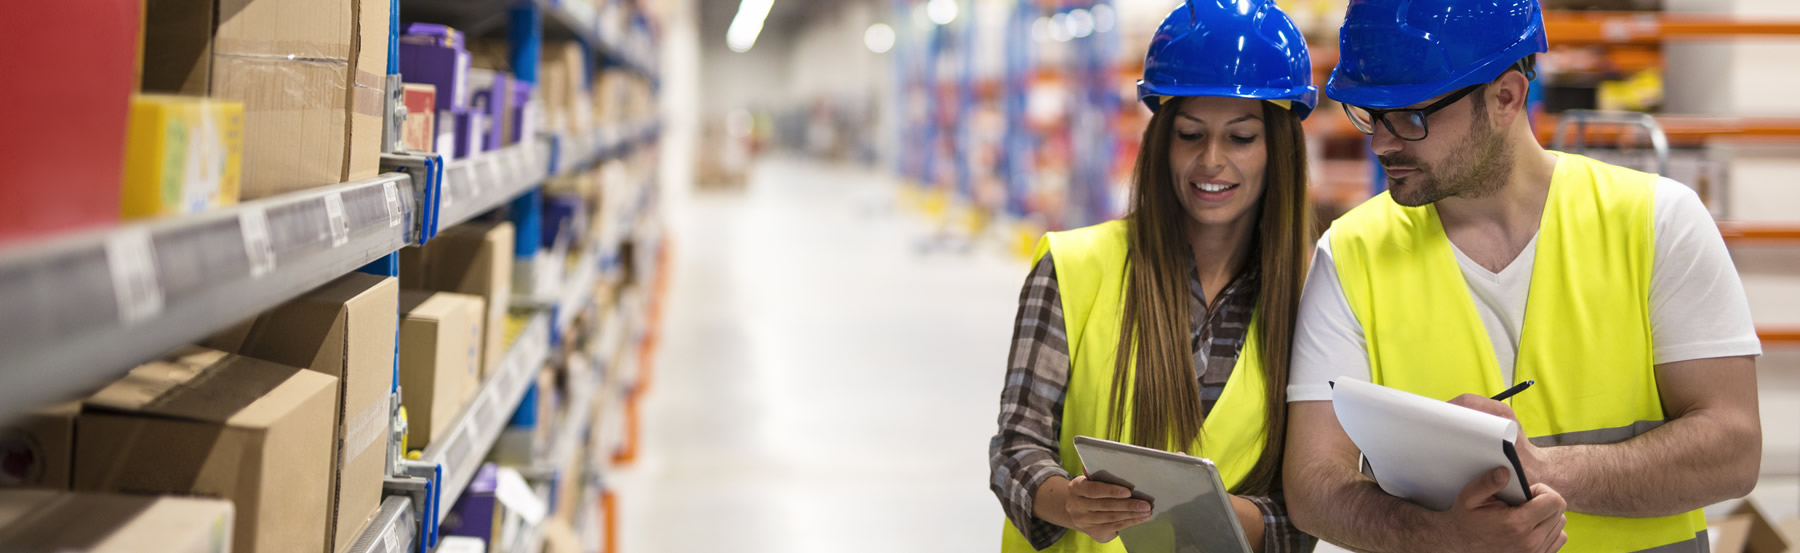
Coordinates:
182 155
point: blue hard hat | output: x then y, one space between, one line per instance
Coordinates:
1396 53
1230 48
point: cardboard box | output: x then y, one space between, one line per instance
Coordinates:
440 359
1745 530
37 450
420 132
71 68
204 422
64 522
344 329
183 155
471 258
310 74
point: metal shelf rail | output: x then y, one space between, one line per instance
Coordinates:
143 288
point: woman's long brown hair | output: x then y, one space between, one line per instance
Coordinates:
1163 389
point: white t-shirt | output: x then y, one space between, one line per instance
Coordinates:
1697 304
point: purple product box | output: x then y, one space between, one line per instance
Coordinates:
520 124
432 34
445 68
491 90
476 513
559 209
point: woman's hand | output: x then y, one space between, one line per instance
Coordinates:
1097 509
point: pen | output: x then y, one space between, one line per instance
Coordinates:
1520 387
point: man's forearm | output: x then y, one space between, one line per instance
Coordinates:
1690 462
1361 517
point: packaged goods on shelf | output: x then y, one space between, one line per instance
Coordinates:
471 258
435 55
564 215
183 155
37 449
420 133
309 73
344 329
471 132
63 152
477 512
64 522
461 544
440 359
489 94
562 74
168 426
520 113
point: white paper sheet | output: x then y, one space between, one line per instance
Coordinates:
1422 449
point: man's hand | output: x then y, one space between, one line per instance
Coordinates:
1539 465
1484 523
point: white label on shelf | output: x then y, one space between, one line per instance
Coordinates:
511 490
495 175
130 259
446 198
392 192
335 220
385 544
254 223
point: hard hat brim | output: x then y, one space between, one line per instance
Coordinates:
1303 98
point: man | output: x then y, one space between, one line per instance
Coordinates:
1492 261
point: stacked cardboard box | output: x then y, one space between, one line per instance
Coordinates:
471 258
310 74
441 337
203 422
105 523
345 329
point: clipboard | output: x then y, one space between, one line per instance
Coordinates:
1190 508
1423 450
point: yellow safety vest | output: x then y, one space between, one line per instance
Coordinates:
1586 337
1090 273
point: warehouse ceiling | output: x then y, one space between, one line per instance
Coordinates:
786 18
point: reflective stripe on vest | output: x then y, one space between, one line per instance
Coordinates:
1586 335
1090 276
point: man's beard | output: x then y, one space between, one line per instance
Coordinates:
1483 158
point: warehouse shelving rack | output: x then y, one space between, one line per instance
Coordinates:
84 308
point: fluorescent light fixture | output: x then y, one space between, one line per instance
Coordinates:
1104 18
1081 23
1040 29
1059 28
942 12
879 38
747 24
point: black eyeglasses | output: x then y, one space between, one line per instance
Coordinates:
1405 124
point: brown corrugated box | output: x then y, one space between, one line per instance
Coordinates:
1746 530
37 450
309 72
471 258
205 422
440 359
344 329
63 522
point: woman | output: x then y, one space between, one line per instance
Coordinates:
1203 275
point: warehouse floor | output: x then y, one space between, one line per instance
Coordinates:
823 385
830 373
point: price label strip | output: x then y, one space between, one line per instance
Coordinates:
132 263
392 193
258 248
335 222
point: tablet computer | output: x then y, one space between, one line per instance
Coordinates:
1190 508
